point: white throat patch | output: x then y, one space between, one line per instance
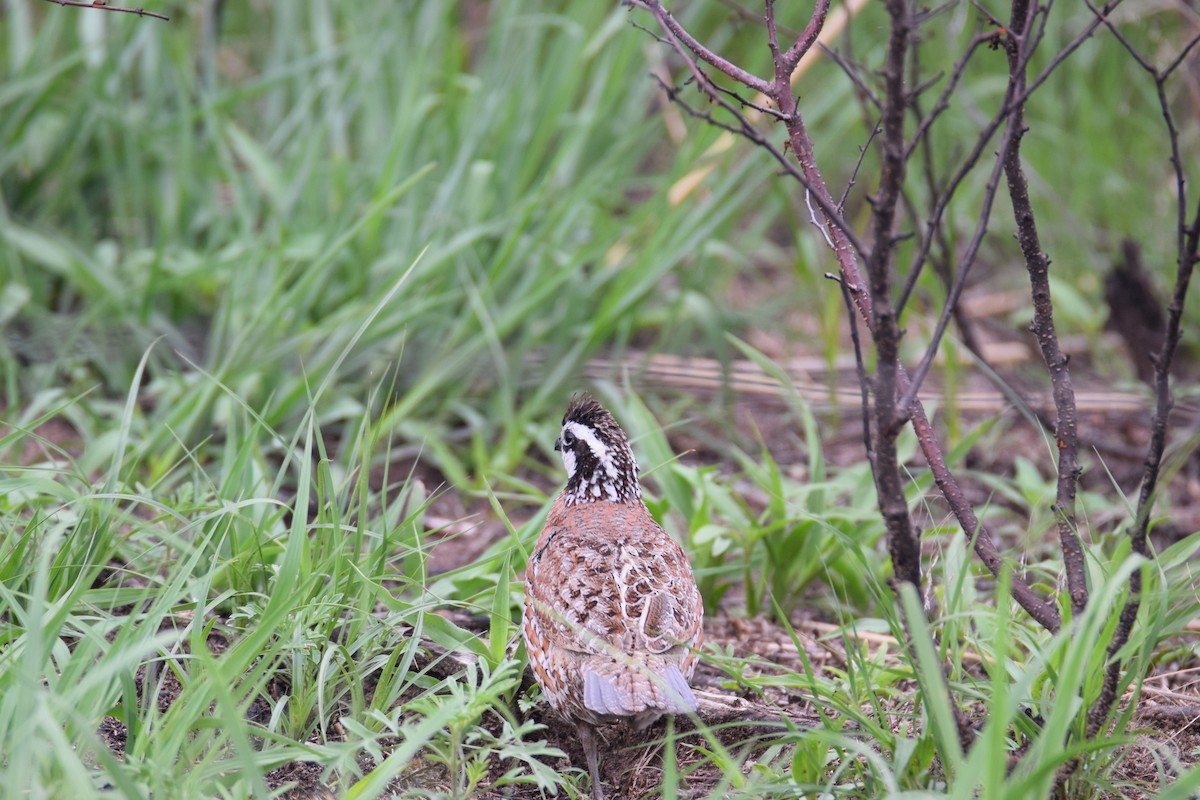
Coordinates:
599 449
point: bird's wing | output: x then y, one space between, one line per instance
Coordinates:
616 593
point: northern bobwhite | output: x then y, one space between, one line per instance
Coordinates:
612 612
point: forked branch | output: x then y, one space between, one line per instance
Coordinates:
847 250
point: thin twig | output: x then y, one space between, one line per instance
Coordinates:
1187 255
806 40
812 214
99 4
862 154
860 369
846 243
981 143
943 101
959 284
746 129
942 261
700 51
848 69
1179 59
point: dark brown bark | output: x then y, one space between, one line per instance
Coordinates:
903 544
1037 263
1187 239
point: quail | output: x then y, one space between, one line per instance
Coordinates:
612 617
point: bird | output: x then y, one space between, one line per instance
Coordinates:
612 618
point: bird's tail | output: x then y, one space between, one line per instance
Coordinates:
645 690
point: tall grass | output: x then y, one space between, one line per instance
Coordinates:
248 211
252 273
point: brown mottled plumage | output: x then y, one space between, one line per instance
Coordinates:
612 613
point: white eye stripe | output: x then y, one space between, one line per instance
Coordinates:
599 449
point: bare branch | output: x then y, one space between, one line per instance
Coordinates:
99 4
848 69
862 154
861 370
744 103
943 101
1045 613
1187 255
809 176
806 40
968 164
1179 59
902 538
846 239
703 53
1038 265
845 247
960 282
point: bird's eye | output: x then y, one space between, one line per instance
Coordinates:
568 439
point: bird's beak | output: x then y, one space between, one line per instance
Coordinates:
558 444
